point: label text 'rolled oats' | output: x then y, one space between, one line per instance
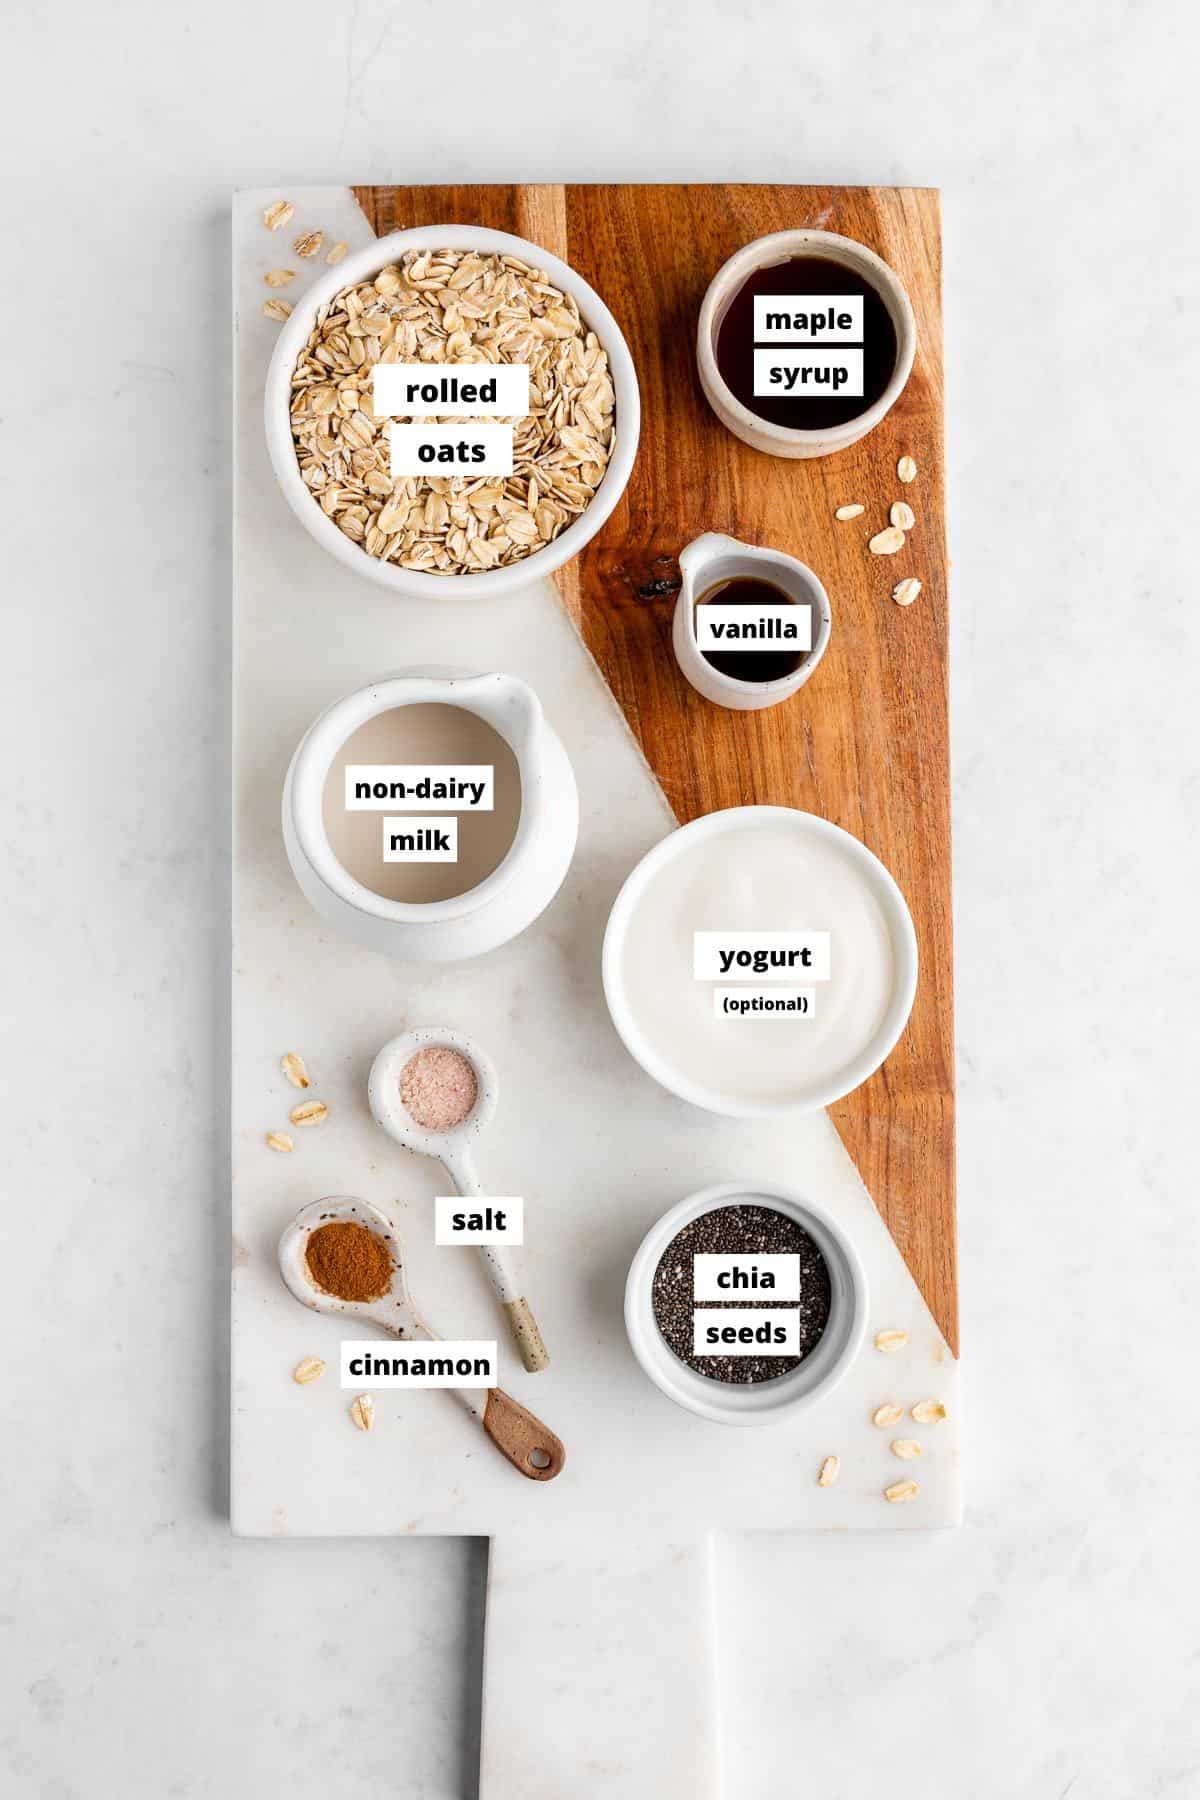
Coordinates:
441 390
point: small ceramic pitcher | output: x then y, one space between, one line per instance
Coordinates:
713 558
502 904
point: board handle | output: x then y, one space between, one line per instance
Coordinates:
532 1449
528 1339
599 1675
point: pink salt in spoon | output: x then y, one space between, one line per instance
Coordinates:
452 1115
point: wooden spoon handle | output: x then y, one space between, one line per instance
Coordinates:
532 1450
528 1339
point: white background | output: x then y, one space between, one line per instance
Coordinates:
1050 1648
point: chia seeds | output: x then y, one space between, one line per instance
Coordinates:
739 1231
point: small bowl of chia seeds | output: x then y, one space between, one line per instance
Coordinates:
788 1317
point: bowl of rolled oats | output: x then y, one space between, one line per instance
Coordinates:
452 295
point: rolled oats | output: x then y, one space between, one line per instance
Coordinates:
453 307
928 1412
886 542
309 1112
900 1491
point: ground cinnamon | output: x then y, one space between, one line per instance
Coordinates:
349 1261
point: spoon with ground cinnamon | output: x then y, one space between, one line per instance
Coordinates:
345 1256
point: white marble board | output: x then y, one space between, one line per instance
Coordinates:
596 1148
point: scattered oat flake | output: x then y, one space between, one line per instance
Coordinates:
337 252
906 469
907 1449
900 1491
906 591
928 1412
279 277
829 1471
888 1341
902 515
278 215
362 1414
311 1369
886 542
849 512
309 1112
277 309
309 243
888 1414
293 1067
279 1140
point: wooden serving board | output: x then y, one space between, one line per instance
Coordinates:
866 743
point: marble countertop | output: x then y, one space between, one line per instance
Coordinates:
1047 1648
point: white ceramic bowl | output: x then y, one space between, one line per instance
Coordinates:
365 264
904 963
764 253
760 1402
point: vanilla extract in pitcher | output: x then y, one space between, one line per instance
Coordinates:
769 657
812 404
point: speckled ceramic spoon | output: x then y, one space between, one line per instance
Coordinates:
455 1150
532 1449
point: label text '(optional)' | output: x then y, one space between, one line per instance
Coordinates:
764 1002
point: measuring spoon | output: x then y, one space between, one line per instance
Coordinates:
455 1150
532 1449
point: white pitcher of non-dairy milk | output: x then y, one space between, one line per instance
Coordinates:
432 815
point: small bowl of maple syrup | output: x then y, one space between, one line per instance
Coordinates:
751 624
806 341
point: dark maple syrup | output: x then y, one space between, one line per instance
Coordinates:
810 411
776 661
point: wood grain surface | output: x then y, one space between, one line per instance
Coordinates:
866 743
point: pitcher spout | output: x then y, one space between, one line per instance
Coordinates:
508 704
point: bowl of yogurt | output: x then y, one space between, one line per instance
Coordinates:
760 961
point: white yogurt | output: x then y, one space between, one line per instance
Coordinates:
770 871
